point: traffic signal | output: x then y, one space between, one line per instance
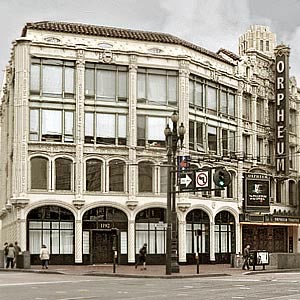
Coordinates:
222 177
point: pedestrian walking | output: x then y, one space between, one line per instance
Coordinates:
142 257
17 252
11 254
246 257
44 256
5 252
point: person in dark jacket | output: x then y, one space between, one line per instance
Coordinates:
11 254
142 257
246 257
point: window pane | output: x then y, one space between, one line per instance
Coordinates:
35 241
163 179
35 78
63 174
39 173
66 242
122 128
156 127
212 138
122 93
106 84
199 94
89 82
223 102
141 130
191 92
106 125
116 176
34 125
231 105
69 123
52 80
51 123
93 175
89 124
55 242
172 90
69 80
211 100
141 84
145 177
157 85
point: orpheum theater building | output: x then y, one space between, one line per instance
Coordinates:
83 154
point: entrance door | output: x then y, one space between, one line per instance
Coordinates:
102 243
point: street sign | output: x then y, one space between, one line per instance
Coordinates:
202 179
186 181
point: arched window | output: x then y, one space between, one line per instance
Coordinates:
39 173
93 175
149 229
116 175
63 174
145 177
197 221
224 236
52 226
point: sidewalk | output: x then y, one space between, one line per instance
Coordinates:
153 271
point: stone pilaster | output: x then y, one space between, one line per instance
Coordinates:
183 101
132 127
238 237
212 257
79 128
131 241
239 116
253 137
182 241
21 119
78 241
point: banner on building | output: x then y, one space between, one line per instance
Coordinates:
257 192
282 109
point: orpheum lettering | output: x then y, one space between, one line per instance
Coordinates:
282 109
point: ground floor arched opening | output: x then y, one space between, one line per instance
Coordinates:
53 226
104 234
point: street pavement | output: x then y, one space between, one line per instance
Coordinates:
155 271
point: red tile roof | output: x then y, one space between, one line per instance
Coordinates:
77 28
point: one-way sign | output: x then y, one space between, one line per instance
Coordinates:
186 181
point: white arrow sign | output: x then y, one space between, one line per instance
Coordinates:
185 180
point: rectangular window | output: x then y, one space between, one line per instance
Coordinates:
106 82
246 146
157 86
53 78
195 92
192 135
223 103
196 136
259 149
56 125
52 125
150 130
231 105
246 106
225 142
107 129
259 111
231 142
211 98
212 139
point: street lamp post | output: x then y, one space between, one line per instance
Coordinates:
172 138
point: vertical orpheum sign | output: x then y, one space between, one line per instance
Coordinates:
282 109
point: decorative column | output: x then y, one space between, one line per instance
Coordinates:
182 241
253 137
239 143
78 241
131 241
21 122
212 242
183 101
79 125
132 132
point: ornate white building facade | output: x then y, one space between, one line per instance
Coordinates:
83 148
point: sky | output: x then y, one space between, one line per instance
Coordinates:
211 24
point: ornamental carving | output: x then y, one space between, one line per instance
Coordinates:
52 39
106 56
183 206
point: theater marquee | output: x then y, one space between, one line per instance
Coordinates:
282 109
